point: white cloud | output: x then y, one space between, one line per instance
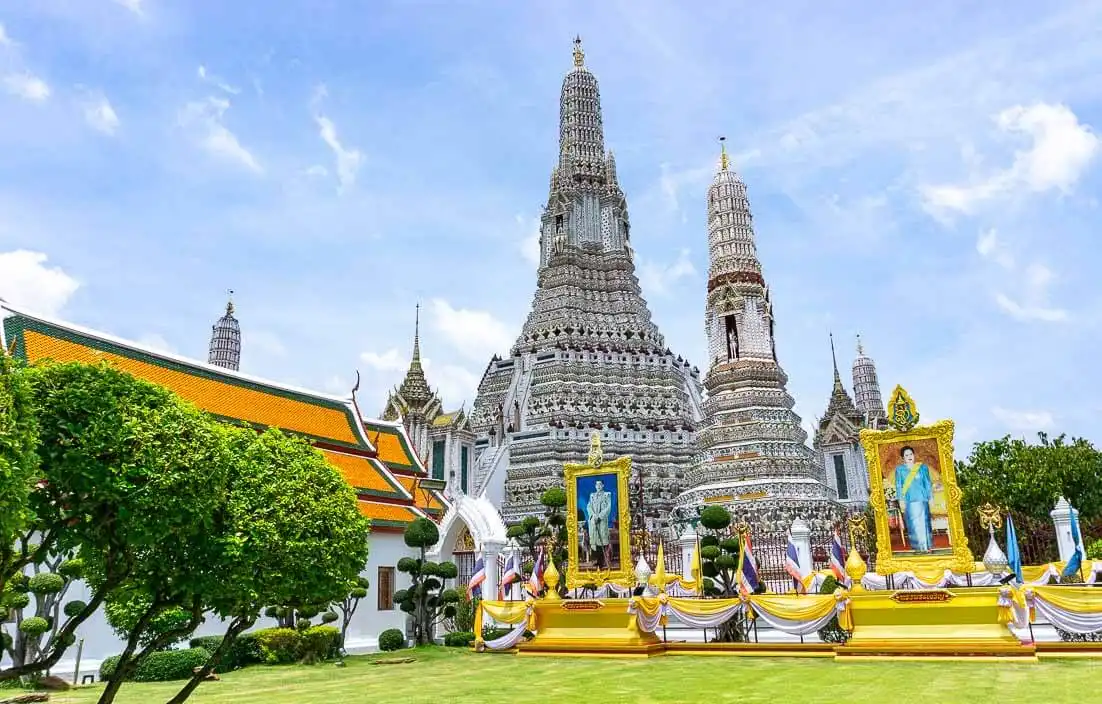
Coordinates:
208 77
454 384
134 6
206 118
348 160
530 245
1061 149
475 334
25 280
100 115
658 279
5 40
156 342
1024 421
389 361
990 247
317 171
27 86
1033 304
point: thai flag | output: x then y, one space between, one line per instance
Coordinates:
535 582
474 587
792 565
512 574
838 559
747 575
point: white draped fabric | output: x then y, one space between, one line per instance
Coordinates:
511 638
1070 614
1037 576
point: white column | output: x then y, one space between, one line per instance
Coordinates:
490 550
688 541
801 538
1062 516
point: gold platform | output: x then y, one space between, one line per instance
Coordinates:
588 627
930 623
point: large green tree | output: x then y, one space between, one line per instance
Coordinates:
1028 477
18 463
292 534
126 470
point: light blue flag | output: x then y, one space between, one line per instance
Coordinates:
1076 561
1013 554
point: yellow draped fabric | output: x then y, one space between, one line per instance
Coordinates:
509 612
809 607
1077 600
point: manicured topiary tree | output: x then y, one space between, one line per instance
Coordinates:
832 632
40 596
426 600
532 532
347 607
719 564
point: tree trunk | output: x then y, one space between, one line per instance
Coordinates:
237 626
127 662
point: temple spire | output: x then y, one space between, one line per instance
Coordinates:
417 333
866 385
415 387
724 161
834 359
225 339
579 54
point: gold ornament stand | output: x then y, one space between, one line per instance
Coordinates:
586 627
930 623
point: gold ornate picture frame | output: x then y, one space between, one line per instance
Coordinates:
581 569
921 457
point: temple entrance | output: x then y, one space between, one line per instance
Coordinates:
464 557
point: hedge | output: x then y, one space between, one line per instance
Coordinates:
287 645
458 639
392 639
244 651
161 665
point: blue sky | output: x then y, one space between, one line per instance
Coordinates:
926 177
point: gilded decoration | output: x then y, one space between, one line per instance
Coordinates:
596 494
914 493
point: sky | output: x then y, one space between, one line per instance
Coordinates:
926 175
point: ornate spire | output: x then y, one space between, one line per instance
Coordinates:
225 340
581 130
834 359
415 389
866 385
579 54
723 160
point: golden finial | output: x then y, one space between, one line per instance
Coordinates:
990 516
229 302
743 529
724 162
579 55
596 453
902 411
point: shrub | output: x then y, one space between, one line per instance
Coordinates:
166 665
46 583
1094 550
17 600
160 666
278 645
329 617
73 608
392 639
244 651
318 643
34 626
458 639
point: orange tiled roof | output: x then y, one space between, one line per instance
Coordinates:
391 446
362 473
385 514
218 396
426 500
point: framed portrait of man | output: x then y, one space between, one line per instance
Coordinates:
915 498
598 523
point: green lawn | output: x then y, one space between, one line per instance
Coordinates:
441 676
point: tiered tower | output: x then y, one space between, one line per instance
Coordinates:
225 341
837 441
866 387
589 357
754 457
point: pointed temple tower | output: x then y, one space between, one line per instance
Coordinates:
837 441
225 340
866 387
444 441
589 357
754 457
